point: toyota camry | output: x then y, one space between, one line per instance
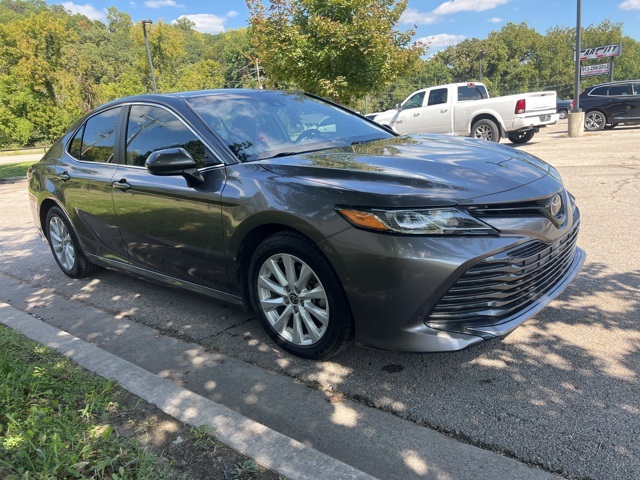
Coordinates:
330 227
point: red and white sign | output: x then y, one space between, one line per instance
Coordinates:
601 52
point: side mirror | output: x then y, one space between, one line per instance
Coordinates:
398 107
174 161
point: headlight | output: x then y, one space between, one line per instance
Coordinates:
436 221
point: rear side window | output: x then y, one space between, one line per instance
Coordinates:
599 91
472 92
153 128
95 141
620 90
438 96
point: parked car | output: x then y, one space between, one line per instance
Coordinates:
608 104
329 226
466 109
563 107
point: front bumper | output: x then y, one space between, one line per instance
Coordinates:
395 284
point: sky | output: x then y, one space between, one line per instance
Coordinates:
437 22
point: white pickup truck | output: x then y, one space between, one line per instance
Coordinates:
466 109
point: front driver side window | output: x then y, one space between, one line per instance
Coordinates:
153 128
414 102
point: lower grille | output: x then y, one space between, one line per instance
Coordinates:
501 286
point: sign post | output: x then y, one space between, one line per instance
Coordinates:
576 115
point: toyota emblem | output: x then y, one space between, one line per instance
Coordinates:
556 205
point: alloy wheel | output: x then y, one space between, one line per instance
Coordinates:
293 299
594 121
484 132
62 243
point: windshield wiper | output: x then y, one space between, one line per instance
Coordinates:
302 152
360 142
284 154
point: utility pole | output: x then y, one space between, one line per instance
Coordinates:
576 115
146 42
576 90
258 74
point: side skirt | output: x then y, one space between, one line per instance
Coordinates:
145 274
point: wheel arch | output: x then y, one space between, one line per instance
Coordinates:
250 234
599 110
487 116
46 205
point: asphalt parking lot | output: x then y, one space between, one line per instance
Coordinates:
561 392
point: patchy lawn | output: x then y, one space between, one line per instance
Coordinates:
59 421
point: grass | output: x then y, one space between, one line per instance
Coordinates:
58 421
14 169
54 420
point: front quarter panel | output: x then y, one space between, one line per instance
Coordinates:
255 198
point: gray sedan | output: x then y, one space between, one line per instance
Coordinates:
329 226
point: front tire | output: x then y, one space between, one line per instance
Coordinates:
563 114
521 137
65 246
486 130
594 121
298 297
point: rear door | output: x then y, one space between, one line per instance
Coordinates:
436 114
84 180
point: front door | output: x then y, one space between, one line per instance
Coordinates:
409 118
169 227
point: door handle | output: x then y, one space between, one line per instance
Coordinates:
64 176
444 110
417 114
121 185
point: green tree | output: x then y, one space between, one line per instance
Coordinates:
237 58
203 75
341 49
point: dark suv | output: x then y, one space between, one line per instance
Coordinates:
608 104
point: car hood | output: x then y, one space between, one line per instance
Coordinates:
417 170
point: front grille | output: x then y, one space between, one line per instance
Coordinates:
503 285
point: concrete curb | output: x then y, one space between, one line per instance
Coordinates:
269 448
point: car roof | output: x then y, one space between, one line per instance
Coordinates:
178 97
616 82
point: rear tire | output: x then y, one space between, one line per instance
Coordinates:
521 137
65 246
486 130
594 121
298 297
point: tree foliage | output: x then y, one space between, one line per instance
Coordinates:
340 48
55 66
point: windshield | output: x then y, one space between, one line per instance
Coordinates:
265 124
